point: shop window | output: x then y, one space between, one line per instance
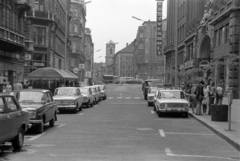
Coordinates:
39 5
39 56
39 36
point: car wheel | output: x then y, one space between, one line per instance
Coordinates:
52 122
96 102
17 143
75 110
149 104
81 107
40 128
88 104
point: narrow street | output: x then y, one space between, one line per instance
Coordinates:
123 127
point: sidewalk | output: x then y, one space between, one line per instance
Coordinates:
221 128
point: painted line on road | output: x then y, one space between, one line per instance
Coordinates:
110 97
137 97
161 132
61 125
119 97
169 153
152 111
81 114
35 137
128 97
186 133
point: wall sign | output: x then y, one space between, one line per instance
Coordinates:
159 28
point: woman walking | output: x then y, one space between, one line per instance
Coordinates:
199 96
206 97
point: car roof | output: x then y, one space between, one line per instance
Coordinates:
170 90
5 95
32 90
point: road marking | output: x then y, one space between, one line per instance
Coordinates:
81 114
61 125
169 153
119 97
152 111
121 94
185 133
95 105
128 97
35 137
137 97
144 129
161 132
110 97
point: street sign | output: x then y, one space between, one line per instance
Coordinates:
75 70
81 66
204 65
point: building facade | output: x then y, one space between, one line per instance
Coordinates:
110 52
148 64
12 40
123 65
77 34
98 72
89 48
203 31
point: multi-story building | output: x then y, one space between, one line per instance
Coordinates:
124 62
89 48
203 31
45 27
149 65
110 52
12 40
77 32
98 72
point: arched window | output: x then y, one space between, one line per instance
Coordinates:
76 13
75 28
111 51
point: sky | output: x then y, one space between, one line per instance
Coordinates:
112 20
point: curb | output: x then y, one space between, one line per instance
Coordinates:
235 142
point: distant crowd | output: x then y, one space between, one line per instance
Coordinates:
6 87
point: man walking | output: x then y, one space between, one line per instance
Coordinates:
199 97
17 86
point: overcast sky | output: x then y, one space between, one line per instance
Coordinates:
112 20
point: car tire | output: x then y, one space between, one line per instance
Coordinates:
159 114
145 97
52 122
18 141
40 128
88 104
185 114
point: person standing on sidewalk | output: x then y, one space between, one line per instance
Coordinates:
199 96
205 102
212 95
219 94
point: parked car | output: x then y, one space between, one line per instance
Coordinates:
172 101
103 92
150 95
14 122
88 98
40 105
96 93
68 98
149 83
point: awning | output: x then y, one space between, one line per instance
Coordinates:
51 74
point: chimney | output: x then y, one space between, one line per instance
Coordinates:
126 44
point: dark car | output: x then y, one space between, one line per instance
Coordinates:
40 105
14 122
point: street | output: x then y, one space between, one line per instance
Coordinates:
123 127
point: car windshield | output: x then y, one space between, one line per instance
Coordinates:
84 90
101 87
172 94
65 91
29 97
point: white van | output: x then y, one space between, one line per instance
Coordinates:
123 80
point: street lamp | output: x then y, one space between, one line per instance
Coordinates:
66 32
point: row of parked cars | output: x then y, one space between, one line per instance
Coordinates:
166 99
21 110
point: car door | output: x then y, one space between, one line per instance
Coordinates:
5 121
50 106
80 98
90 95
15 115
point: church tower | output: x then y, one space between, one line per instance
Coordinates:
110 51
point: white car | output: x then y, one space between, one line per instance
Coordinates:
68 98
88 98
171 101
150 95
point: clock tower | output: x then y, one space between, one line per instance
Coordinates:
110 51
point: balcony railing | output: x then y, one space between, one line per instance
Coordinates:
11 36
40 14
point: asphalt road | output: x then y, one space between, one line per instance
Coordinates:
123 128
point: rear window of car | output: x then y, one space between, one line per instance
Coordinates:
172 94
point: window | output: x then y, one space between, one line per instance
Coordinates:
11 104
39 36
226 33
75 26
60 63
39 5
72 63
39 57
141 35
216 38
220 36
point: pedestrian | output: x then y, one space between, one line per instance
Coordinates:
199 97
8 87
212 95
17 86
205 102
219 94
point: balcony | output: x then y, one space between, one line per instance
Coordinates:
41 15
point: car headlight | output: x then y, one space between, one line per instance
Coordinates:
162 105
32 114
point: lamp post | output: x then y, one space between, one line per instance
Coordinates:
66 33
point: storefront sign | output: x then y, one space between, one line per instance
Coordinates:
81 66
204 65
75 70
38 64
159 28
189 64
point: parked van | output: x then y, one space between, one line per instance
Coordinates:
123 80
